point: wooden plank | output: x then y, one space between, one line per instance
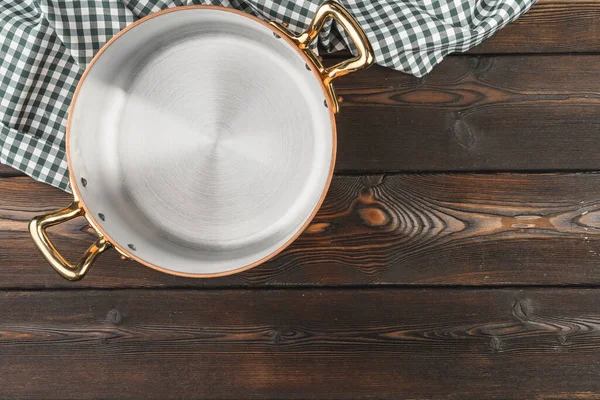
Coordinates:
300 344
550 26
505 113
431 229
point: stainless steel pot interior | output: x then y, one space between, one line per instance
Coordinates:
204 141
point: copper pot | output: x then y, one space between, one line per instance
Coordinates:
201 141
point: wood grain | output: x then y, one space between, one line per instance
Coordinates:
300 344
429 229
504 113
550 26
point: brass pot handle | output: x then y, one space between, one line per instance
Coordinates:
37 229
364 58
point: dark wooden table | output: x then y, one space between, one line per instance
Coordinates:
457 254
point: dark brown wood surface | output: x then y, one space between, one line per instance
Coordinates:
490 113
410 229
263 344
457 254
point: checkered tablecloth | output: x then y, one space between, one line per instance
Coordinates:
46 44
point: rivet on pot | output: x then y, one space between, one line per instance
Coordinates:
101 216
131 246
325 103
84 182
276 35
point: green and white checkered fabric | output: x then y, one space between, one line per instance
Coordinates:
46 44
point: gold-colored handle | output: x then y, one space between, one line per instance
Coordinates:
37 229
364 58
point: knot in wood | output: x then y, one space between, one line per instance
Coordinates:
114 316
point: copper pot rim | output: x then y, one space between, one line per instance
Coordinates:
123 250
